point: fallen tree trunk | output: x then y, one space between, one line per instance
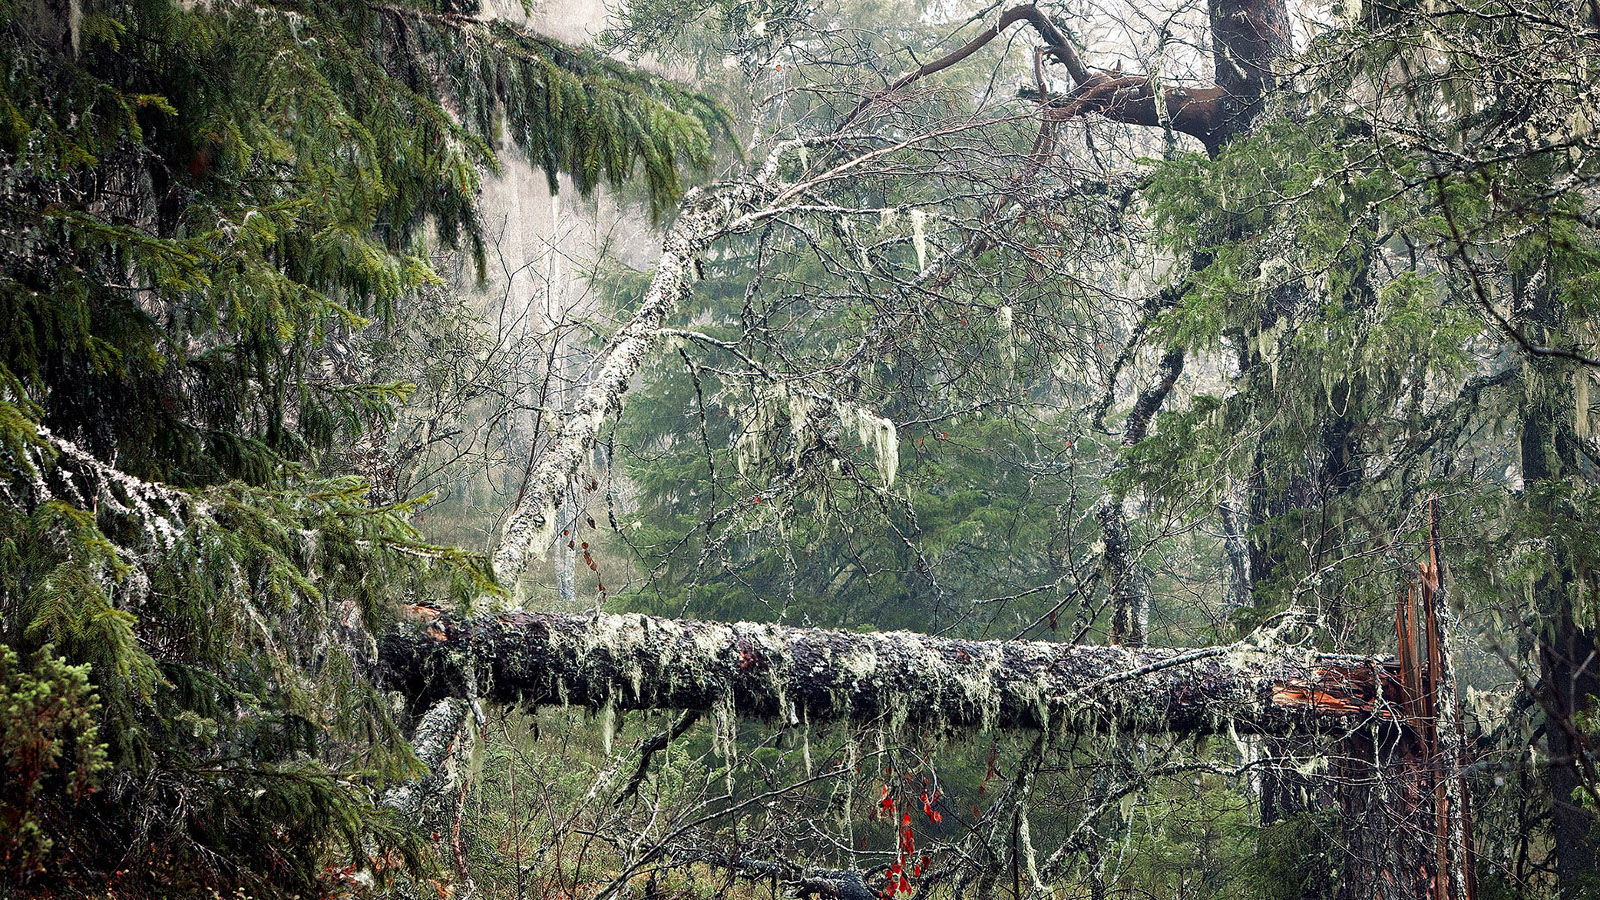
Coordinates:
896 679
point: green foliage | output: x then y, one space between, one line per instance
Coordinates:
48 739
1291 859
576 112
804 524
1346 271
1196 838
201 205
1397 270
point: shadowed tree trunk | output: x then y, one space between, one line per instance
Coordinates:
1128 580
1569 677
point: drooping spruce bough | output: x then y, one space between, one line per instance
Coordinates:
202 205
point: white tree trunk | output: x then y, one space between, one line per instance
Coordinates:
702 216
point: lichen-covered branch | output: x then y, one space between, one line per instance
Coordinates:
702 216
898 680
1129 582
1248 36
1250 31
432 742
706 214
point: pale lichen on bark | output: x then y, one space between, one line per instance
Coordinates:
704 213
895 680
432 741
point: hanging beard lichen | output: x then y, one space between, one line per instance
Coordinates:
783 422
878 435
919 237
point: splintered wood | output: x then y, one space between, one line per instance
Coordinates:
1344 690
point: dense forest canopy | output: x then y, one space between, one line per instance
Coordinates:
1148 451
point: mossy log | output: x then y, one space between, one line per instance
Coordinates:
898 680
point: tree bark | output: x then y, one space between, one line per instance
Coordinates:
899 680
1568 680
702 216
432 742
1126 575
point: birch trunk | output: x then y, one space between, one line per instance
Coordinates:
702 216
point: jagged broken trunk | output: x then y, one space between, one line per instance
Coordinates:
895 679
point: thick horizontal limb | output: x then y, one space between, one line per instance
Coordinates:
1250 34
898 679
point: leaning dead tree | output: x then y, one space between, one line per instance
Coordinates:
1250 36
